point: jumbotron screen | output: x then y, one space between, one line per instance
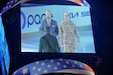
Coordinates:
67 28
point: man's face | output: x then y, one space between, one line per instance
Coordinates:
66 17
48 15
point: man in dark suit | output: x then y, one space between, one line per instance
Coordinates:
49 22
48 43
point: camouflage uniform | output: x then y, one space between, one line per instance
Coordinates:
67 36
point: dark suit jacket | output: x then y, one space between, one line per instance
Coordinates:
49 44
53 27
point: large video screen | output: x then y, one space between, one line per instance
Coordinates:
68 29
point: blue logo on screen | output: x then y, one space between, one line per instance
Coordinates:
31 19
79 14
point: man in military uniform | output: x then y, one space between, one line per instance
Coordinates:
67 35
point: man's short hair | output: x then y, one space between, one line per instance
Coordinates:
66 13
48 11
48 28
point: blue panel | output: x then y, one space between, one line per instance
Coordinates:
4 53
